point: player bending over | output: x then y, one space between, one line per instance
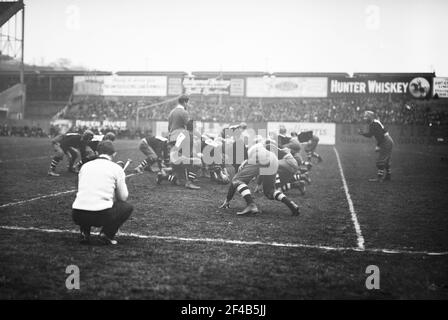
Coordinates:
91 152
385 145
288 175
155 148
69 144
263 163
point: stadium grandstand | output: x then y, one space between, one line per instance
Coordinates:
47 96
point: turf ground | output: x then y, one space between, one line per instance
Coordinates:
179 245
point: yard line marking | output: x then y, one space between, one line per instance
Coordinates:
23 159
57 194
44 157
238 242
351 207
36 198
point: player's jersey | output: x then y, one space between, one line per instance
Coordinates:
377 130
293 145
71 140
305 136
282 140
157 143
259 155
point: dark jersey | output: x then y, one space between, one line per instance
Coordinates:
282 140
305 136
158 145
71 140
377 130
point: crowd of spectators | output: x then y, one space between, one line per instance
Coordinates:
337 110
21 131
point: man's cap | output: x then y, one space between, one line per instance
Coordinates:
369 114
183 98
243 125
106 147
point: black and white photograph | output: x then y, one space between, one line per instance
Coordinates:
242 151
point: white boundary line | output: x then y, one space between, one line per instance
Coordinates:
23 159
360 238
237 242
47 196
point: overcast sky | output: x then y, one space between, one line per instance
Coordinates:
247 35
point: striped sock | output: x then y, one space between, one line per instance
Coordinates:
53 164
280 196
143 164
278 183
244 190
172 178
192 176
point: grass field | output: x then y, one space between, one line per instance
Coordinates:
179 245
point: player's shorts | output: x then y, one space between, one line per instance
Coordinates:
249 171
385 152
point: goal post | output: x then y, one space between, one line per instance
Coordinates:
137 118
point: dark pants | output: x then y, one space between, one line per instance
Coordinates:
109 219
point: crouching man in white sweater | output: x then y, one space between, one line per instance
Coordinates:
101 197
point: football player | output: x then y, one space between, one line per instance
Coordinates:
384 144
311 141
91 148
263 163
213 159
69 144
155 148
288 175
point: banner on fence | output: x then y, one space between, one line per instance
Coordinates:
440 87
287 87
417 87
206 86
154 86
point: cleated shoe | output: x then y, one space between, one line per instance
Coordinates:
191 185
294 209
138 170
250 209
106 240
84 238
53 174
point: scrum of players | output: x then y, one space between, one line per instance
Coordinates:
274 162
